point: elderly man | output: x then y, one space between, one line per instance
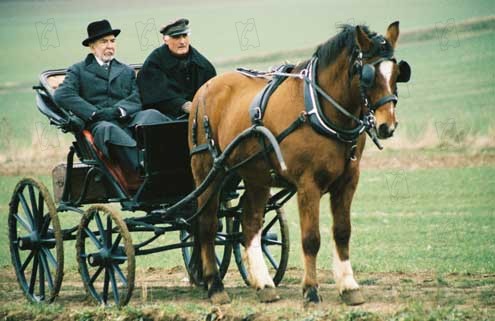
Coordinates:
173 73
103 93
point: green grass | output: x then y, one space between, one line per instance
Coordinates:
280 25
431 219
439 220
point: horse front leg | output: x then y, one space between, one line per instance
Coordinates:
340 199
308 198
254 202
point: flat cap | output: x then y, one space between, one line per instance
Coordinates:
178 27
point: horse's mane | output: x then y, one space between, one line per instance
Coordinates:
328 51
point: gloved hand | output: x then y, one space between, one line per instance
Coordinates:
107 114
186 107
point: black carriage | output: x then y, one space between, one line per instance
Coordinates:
164 195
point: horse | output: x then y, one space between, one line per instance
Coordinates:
328 102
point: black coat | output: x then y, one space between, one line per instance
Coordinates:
166 82
88 87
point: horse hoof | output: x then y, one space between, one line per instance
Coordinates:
352 297
267 295
220 298
311 295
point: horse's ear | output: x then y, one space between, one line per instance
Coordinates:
362 39
393 33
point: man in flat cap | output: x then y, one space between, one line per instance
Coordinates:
103 93
173 73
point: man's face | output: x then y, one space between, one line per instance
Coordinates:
178 45
104 48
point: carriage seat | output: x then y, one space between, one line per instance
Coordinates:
129 181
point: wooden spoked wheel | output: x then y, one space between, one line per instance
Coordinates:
106 256
36 244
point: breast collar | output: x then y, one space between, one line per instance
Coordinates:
318 120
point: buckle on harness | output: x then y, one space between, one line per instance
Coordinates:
303 116
257 113
303 73
352 154
369 120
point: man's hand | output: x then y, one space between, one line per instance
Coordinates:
186 107
107 114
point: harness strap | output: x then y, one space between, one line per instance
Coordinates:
260 101
317 118
292 127
198 149
295 124
383 101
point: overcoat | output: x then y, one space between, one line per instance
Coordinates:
88 87
166 82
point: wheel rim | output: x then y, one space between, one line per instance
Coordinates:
36 244
223 250
106 256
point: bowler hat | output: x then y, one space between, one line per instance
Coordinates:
99 29
178 27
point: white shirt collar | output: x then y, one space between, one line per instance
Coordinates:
100 62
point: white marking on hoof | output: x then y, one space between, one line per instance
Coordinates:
342 273
257 270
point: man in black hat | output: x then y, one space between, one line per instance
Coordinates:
173 73
103 93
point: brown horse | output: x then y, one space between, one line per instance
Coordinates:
355 69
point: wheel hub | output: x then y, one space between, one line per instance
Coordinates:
105 257
29 242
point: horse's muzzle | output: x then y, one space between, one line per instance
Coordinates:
386 131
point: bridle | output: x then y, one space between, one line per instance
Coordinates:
366 121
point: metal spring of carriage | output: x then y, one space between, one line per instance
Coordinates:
105 249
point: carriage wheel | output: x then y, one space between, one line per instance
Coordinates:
106 256
36 244
274 244
223 251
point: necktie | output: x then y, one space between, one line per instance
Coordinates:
106 66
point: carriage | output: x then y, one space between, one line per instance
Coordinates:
161 201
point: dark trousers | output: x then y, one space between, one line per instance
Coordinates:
115 139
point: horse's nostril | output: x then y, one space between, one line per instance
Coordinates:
383 130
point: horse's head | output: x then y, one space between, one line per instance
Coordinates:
378 73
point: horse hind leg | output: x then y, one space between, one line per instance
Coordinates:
205 232
254 202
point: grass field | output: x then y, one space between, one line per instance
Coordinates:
423 240
439 220
453 66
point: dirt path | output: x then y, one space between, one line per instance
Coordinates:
166 295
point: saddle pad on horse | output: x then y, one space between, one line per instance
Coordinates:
258 105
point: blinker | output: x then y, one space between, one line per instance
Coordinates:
368 75
404 71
